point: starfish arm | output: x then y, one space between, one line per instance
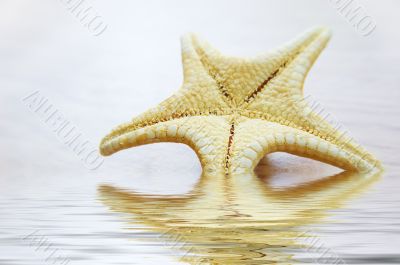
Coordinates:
200 65
195 70
194 102
290 77
199 96
300 116
207 136
295 60
255 138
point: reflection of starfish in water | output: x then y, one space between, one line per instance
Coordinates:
237 220
233 111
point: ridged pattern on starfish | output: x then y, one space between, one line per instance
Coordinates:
233 111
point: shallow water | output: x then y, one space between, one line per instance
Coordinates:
151 204
274 218
241 220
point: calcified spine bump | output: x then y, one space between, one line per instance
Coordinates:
233 111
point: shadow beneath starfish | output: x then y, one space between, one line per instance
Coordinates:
237 220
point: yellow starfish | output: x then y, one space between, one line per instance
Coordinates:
233 111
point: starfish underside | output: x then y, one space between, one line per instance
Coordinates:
233 111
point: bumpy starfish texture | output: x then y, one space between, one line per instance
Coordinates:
233 111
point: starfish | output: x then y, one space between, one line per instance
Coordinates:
233 111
